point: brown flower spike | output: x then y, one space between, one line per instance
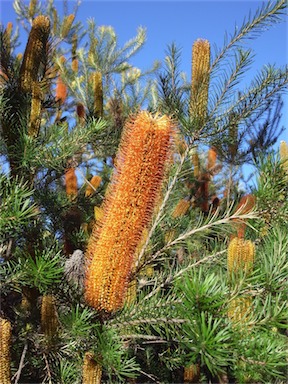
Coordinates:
141 163
5 342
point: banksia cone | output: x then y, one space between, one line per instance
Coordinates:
32 8
196 164
71 183
284 154
181 208
92 371
98 95
49 317
141 163
240 255
192 373
200 80
212 157
61 91
5 341
239 309
80 110
94 184
34 52
66 25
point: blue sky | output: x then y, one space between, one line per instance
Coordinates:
181 22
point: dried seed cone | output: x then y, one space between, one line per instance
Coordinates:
98 95
192 373
92 371
141 163
94 184
5 342
239 309
34 52
200 80
49 316
181 208
284 155
71 183
240 255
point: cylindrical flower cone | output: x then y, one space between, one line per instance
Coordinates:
5 343
200 81
181 208
98 95
35 113
239 309
92 371
284 154
49 317
71 183
128 208
240 255
94 184
212 157
33 55
192 373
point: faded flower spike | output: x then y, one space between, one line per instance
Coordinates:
34 53
92 371
144 151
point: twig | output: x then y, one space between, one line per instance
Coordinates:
151 377
21 364
48 369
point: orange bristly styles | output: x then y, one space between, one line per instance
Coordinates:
92 371
71 183
247 203
212 157
141 164
181 208
61 91
93 185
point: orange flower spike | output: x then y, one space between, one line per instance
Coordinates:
94 184
212 157
71 183
141 163
247 203
61 91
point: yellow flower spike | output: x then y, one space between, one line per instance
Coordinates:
32 8
181 208
5 342
240 255
239 309
49 317
92 371
66 25
284 155
94 184
200 81
34 52
98 95
141 164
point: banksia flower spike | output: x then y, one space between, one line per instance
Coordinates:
192 373
200 81
196 164
49 317
80 111
240 255
98 95
66 25
61 91
211 161
71 183
284 155
239 309
141 163
93 185
181 208
34 52
5 341
92 371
